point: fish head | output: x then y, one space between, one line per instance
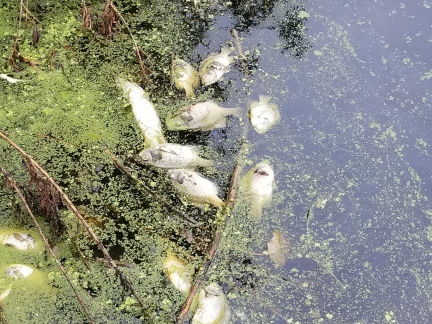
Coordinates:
263 170
213 74
145 156
212 289
176 175
180 120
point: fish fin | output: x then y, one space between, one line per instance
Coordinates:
189 91
264 98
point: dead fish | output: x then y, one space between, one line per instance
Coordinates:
9 79
18 271
198 190
185 77
263 115
257 186
173 156
144 112
213 67
202 116
20 241
178 272
212 307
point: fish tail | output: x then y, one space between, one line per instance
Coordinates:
216 201
226 50
204 162
189 91
234 111
264 98
154 140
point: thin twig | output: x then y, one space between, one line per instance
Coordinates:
72 208
239 51
135 45
12 183
232 193
28 11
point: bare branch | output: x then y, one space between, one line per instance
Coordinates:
11 183
72 208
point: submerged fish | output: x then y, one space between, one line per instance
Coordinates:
17 271
198 190
204 116
178 272
185 77
144 112
173 156
18 240
214 66
263 115
257 185
212 306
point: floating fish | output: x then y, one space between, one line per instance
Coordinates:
20 241
212 306
277 248
257 185
198 190
178 272
144 112
263 115
18 271
173 156
213 67
203 116
185 77
9 79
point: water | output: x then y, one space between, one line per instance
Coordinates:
353 149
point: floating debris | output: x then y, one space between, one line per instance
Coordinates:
277 248
178 272
198 190
202 116
263 115
257 186
18 271
212 306
185 77
144 112
173 156
213 67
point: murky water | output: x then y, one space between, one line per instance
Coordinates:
353 150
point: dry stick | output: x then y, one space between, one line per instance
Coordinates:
12 183
72 208
147 189
218 236
136 48
239 50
